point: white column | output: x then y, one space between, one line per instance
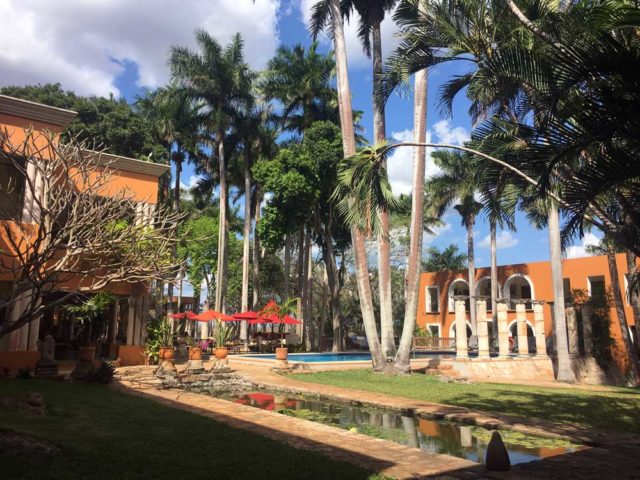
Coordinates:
538 319
572 330
503 327
483 328
521 328
462 350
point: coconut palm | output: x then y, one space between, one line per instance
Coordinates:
220 78
349 144
371 13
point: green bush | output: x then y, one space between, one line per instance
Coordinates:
102 373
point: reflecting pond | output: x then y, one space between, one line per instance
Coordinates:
435 436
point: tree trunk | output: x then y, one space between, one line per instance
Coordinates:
256 252
565 372
333 284
349 146
309 290
402 363
622 317
304 302
301 275
634 298
225 259
471 265
222 224
246 234
384 248
287 266
494 281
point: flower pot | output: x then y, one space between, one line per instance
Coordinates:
282 353
195 353
167 353
221 353
86 354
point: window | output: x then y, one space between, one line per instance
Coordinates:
432 299
518 287
434 329
459 287
12 183
597 289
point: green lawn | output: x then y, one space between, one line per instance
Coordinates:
105 434
617 409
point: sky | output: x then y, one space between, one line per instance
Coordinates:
120 47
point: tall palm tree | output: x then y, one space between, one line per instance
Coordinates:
220 78
349 146
371 13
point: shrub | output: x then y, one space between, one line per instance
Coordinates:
23 374
102 373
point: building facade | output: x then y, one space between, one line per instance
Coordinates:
526 282
125 323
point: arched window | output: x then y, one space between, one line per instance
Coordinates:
519 287
531 338
452 330
483 289
458 287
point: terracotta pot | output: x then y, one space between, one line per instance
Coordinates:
282 353
195 353
167 353
221 353
87 354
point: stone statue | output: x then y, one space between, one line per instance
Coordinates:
47 349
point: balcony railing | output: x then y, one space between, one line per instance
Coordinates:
433 344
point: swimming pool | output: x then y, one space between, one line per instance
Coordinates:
336 357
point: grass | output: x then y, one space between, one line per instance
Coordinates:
615 409
105 434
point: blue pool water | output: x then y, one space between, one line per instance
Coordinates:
334 357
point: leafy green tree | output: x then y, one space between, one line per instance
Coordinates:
449 258
109 122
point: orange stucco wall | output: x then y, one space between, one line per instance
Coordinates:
577 270
141 187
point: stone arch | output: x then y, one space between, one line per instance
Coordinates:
452 330
531 334
458 287
518 287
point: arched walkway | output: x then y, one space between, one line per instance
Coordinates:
483 289
519 287
531 338
458 287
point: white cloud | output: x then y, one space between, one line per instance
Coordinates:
504 239
355 54
82 44
445 134
191 182
400 163
577 251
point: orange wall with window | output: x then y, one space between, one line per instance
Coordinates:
576 270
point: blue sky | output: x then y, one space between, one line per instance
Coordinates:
120 47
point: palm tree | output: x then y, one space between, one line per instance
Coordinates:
371 13
349 145
220 79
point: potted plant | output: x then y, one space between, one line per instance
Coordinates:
282 310
165 339
195 350
222 333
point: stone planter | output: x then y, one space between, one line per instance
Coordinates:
195 353
282 353
167 353
86 354
221 353
166 356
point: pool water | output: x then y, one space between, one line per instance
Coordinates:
464 441
338 357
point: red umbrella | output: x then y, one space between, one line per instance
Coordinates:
273 318
289 320
270 307
212 315
182 315
249 315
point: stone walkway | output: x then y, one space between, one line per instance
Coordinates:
616 456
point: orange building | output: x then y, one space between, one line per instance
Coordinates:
125 323
526 281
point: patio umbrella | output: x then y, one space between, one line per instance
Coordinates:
183 315
248 315
212 315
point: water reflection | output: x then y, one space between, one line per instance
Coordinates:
463 441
